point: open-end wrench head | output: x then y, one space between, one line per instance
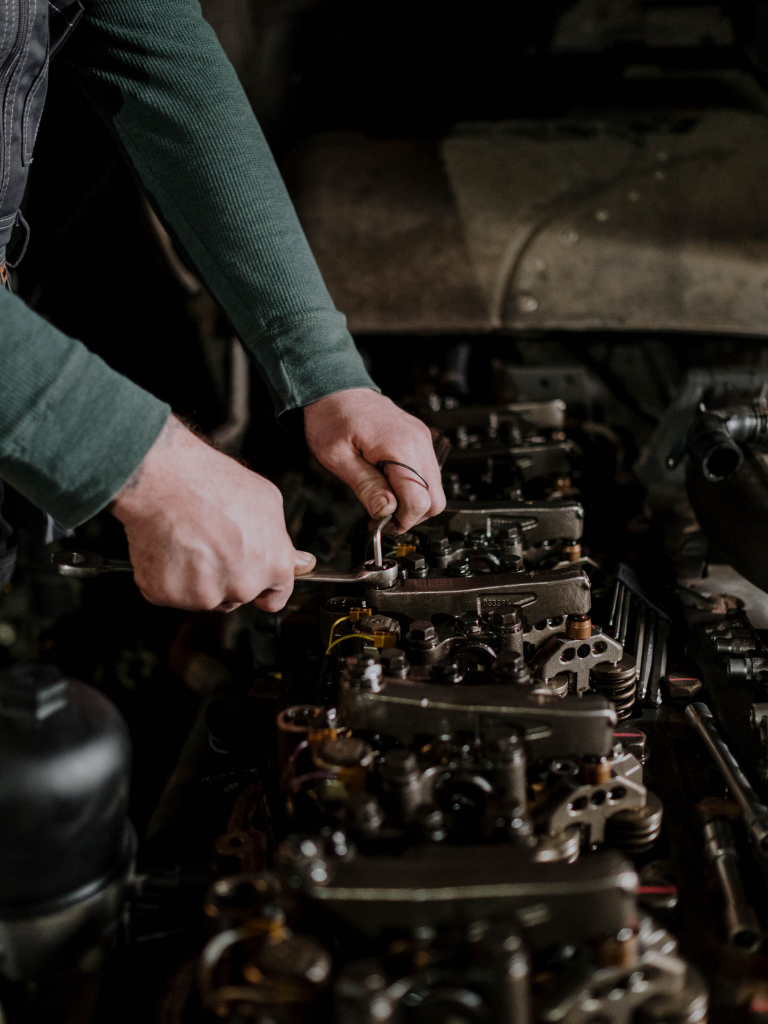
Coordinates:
379 577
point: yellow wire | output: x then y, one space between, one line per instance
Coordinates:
336 623
349 636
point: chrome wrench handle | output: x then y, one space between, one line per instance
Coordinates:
86 564
380 577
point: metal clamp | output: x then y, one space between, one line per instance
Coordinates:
538 595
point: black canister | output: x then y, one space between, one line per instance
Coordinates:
65 840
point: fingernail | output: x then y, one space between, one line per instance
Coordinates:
379 505
303 558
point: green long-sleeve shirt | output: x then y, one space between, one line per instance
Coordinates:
72 431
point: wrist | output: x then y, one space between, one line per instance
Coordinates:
136 491
346 394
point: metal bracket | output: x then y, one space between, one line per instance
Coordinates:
539 595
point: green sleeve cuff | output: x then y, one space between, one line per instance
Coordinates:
72 430
308 359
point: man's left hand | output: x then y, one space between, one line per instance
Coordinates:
351 431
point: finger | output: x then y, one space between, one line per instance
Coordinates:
274 599
186 599
371 487
304 561
413 498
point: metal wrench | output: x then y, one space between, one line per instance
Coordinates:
84 564
377 573
753 812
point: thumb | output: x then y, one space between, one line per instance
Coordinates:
303 561
370 486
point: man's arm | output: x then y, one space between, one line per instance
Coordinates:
204 531
72 431
157 74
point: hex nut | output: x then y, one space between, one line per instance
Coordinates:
447 672
393 660
422 631
470 622
413 562
459 569
506 618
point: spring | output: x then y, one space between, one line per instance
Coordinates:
618 683
635 831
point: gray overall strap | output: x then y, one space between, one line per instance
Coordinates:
30 32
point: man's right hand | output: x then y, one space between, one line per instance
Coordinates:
203 531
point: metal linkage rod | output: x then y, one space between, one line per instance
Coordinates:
754 813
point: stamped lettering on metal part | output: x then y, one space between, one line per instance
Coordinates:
496 602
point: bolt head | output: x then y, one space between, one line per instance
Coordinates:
470 622
393 660
414 562
447 672
438 544
507 618
511 667
459 569
422 630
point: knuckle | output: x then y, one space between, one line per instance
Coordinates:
285 574
272 600
152 596
438 502
420 505
239 594
204 600
151 591
272 493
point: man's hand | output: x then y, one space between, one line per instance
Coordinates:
204 532
351 431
